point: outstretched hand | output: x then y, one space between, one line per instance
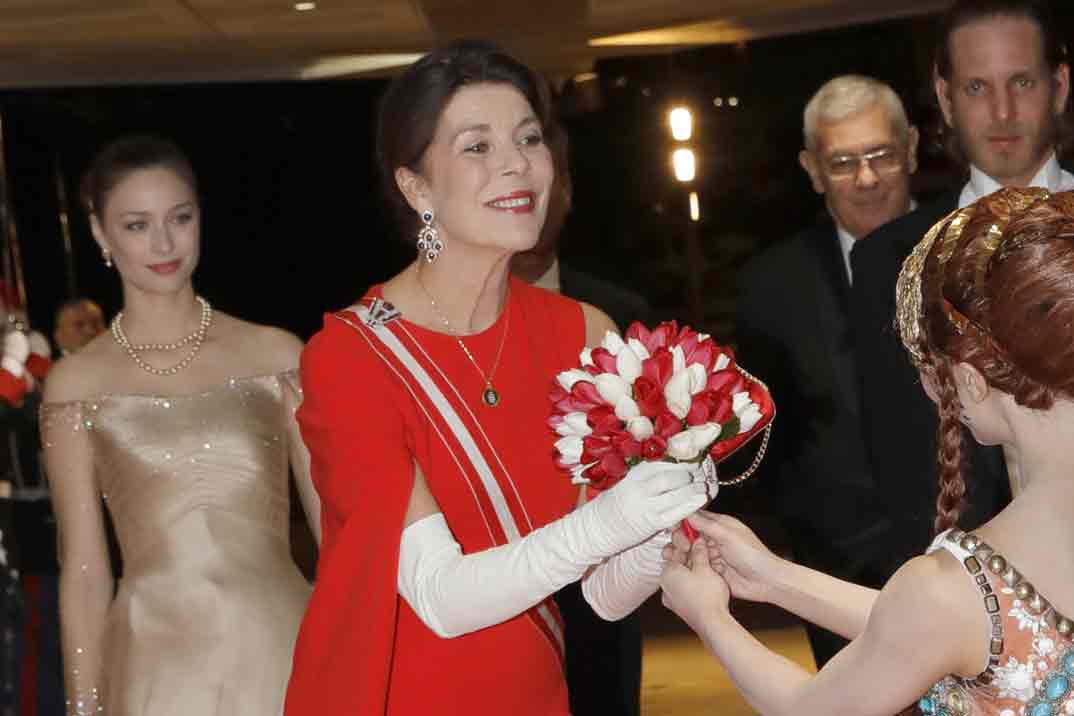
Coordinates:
692 588
734 552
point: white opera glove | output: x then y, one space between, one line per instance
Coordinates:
456 594
39 345
16 346
618 586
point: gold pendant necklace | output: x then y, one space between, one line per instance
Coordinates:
489 396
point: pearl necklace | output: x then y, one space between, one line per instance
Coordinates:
197 338
489 396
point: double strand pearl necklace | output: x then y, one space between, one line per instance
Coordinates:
489 396
197 338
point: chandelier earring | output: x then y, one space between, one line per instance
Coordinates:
107 256
429 242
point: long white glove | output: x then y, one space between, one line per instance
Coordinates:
16 351
456 594
622 583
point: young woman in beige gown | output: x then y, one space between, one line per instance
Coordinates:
181 419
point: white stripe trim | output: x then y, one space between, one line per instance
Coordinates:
443 439
454 422
480 428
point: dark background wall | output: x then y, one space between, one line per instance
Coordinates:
292 222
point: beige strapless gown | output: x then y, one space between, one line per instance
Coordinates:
209 604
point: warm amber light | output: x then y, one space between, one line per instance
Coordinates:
684 163
695 207
305 6
682 123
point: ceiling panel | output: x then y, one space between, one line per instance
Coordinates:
58 42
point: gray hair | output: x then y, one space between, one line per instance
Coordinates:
848 95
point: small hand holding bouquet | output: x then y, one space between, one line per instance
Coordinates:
668 394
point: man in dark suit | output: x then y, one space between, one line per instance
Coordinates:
793 331
603 658
1002 80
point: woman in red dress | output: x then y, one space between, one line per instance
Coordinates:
446 524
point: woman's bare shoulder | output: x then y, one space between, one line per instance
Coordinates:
82 375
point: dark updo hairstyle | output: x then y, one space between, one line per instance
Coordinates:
967 12
1004 303
410 109
119 158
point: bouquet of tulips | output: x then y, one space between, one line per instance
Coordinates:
669 393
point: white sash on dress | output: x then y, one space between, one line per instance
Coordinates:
375 319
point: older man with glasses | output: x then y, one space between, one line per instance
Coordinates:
794 330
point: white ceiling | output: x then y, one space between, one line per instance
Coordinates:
78 42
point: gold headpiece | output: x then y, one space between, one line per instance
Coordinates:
909 300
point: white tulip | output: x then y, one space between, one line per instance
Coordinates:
612 343
570 450
612 388
749 418
626 409
640 427
698 378
677 394
703 435
639 348
577 478
747 411
568 378
722 362
681 446
586 356
574 424
627 364
678 359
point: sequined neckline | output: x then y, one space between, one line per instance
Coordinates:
231 383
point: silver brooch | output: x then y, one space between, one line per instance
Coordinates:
381 312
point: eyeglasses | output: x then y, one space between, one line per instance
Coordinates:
880 161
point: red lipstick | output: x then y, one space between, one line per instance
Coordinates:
166 269
517 202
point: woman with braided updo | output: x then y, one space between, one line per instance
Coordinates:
981 624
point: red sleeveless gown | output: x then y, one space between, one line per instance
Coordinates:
361 649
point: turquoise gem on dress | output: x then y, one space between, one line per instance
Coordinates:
1056 686
1067 662
1042 708
926 706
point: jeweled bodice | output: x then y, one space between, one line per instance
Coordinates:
1030 670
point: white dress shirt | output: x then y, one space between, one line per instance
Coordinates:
1051 177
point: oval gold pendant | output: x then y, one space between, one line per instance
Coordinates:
490 397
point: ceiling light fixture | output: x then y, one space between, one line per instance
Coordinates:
305 6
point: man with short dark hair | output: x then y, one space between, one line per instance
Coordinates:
1002 81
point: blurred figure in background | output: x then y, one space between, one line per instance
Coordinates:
78 321
793 324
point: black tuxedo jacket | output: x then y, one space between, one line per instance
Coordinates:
793 326
898 419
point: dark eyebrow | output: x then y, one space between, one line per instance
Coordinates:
488 128
470 128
